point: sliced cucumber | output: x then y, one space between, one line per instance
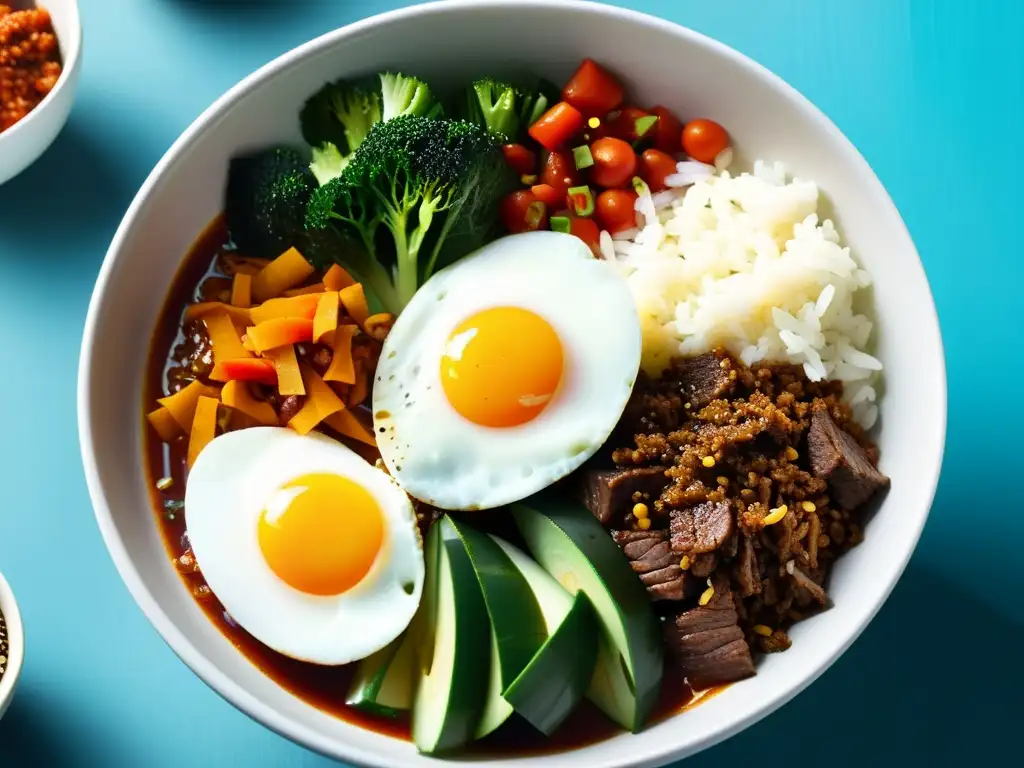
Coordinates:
451 631
517 626
383 681
569 542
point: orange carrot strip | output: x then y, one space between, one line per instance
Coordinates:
337 278
354 301
286 271
241 290
362 386
378 325
342 367
289 377
280 332
182 404
347 424
198 311
326 318
227 344
293 306
245 264
163 422
321 402
246 369
237 395
305 290
204 427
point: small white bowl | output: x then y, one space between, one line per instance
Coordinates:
15 645
447 43
23 143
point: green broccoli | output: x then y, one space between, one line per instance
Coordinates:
504 109
418 177
404 95
266 198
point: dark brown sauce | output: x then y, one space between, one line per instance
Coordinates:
323 687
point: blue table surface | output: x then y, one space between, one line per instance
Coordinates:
929 90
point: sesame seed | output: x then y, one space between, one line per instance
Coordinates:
164 483
808 506
643 523
762 630
792 454
722 480
685 562
776 515
640 510
708 461
594 122
705 598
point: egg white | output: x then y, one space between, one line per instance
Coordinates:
228 487
444 459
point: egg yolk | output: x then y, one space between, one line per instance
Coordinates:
321 533
501 366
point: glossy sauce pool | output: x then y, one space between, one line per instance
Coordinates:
323 687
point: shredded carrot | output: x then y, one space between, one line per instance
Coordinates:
280 332
326 318
204 308
246 369
346 423
377 326
182 404
241 290
227 343
289 377
337 278
294 306
286 271
305 290
321 402
362 386
236 394
355 302
204 427
342 366
164 423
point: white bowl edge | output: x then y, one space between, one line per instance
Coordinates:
15 645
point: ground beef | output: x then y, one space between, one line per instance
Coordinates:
748 503
29 62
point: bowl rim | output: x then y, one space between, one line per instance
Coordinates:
15 643
71 58
656 753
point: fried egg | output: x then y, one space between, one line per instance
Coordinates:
505 372
310 549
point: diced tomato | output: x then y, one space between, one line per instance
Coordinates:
614 162
521 211
548 195
655 165
587 231
616 209
556 126
593 90
667 131
623 125
520 159
704 139
560 173
256 369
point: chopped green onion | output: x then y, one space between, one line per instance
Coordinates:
528 179
561 224
583 157
534 214
644 124
582 200
640 186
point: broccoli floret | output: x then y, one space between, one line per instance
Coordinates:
404 95
418 177
535 102
328 162
340 114
494 105
265 201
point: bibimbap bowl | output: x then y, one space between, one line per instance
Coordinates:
659 63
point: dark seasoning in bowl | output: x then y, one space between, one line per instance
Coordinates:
729 490
4 646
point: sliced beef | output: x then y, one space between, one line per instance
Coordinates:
703 565
747 571
812 589
702 379
707 643
701 528
608 493
838 458
651 556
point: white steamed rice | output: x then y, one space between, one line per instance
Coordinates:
744 262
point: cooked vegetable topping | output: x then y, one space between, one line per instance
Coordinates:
561 224
704 139
581 200
583 157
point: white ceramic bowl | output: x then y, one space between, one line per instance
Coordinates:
23 143
15 645
446 43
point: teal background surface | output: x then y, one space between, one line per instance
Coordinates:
931 93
